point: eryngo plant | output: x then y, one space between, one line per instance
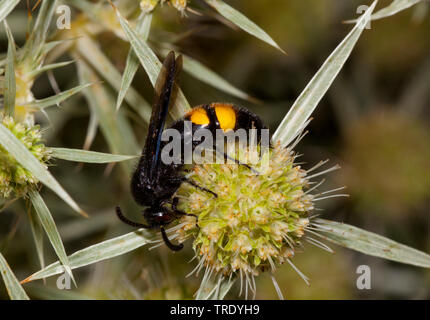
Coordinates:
21 139
287 134
283 216
24 158
395 7
256 222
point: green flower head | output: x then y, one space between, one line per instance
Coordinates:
15 179
258 219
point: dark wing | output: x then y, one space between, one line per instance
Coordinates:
165 90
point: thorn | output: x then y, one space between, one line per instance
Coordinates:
26 280
83 213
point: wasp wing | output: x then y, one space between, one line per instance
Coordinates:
165 92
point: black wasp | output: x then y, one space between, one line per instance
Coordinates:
154 183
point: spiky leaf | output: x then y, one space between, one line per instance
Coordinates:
19 151
215 289
89 49
10 83
6 7
36 41
58 98
151 64
370 243
204 74
298 115
87 156
242 22
393 8
132 63
104 250
37 231
14 289
114 125
48 223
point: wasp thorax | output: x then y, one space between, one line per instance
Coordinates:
14 178
257 220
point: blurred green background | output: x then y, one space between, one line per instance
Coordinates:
374 122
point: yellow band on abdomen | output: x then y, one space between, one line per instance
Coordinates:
226 116
199 116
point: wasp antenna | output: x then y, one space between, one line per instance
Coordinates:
128 221
170 245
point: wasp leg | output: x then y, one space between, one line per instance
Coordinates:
191 182
170 245
129 222
226 156
177 211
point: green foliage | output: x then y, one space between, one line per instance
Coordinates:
6 7
101 251
14 289
10 84
297 117
242 22
121 113
370 243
